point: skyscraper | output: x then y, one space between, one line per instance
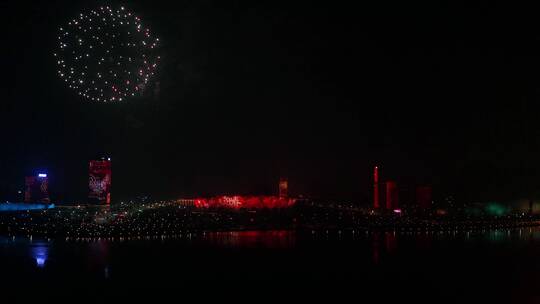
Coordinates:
376 188
100 181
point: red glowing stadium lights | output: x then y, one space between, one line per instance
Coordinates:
244 202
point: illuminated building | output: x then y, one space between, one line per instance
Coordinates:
37 189
100 181
424 197
376 204
283 187
392 196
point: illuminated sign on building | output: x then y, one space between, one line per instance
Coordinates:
100 181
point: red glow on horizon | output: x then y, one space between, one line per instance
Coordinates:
246 202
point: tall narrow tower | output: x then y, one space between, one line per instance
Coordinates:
283 187
376 188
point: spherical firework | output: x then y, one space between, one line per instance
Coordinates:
106 54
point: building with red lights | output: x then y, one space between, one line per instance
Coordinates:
100 181
376 204
392 196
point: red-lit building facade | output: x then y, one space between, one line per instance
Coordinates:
376 204
100 173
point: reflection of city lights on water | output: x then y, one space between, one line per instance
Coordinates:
40 261
40 254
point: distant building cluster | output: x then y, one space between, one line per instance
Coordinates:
99 184
422 200
390 197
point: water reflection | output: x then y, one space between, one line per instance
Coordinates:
40 253
99 257
390 242
375 248
367 259
378 246
251 239
382 243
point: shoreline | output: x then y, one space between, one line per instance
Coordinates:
267 229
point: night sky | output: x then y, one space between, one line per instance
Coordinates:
439 93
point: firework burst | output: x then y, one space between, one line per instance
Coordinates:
106 54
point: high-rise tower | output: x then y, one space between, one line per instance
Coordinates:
376 188
100 181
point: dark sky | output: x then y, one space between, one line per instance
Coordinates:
443 93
